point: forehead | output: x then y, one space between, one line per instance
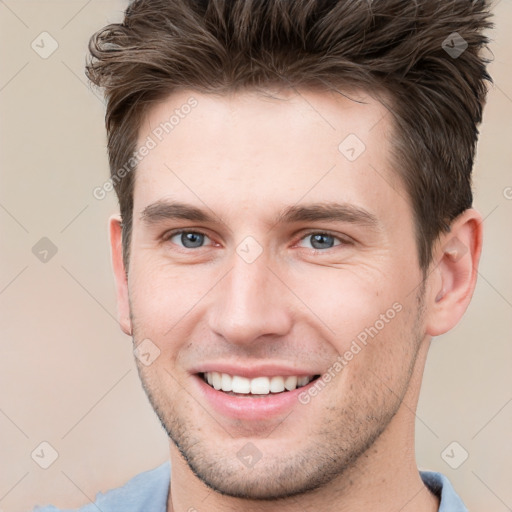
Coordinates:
280 147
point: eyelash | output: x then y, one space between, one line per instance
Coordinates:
342 241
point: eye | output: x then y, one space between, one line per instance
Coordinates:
320 240
188 239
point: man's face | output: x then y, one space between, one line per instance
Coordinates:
263 285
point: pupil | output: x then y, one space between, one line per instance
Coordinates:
190 240
321 239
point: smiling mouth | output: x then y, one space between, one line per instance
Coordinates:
259 386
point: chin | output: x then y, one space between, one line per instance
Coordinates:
272 481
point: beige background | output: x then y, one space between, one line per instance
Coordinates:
66 371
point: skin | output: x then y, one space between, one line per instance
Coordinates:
245 156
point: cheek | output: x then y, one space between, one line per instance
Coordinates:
345 301
376 362
372 323
389 343
162 296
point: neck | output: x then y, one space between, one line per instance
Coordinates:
384 478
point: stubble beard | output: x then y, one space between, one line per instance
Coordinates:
331 450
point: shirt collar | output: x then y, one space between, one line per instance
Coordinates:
441 487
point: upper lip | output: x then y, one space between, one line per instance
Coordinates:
253 371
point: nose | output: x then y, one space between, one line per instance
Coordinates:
250 302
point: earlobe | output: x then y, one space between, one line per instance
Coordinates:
453 281
121 278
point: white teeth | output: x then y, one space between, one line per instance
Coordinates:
260 386
226 382
256 386
302 381
217 380
277 384
240 384
290 383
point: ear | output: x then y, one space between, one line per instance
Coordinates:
116 246
452 282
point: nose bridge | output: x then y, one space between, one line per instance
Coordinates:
248 284
249 303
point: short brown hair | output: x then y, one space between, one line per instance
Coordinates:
412 51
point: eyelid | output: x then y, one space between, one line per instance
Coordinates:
343 239
169 234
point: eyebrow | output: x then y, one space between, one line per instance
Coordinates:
325 211
163 210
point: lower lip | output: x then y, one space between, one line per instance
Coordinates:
260 407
